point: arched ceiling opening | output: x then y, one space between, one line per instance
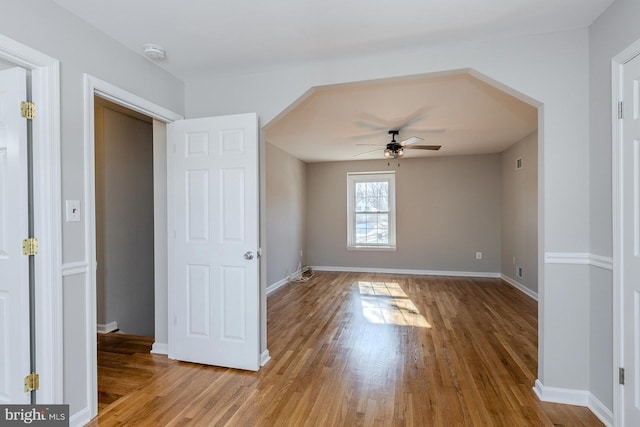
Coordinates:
460 112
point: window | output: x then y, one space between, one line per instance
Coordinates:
371 210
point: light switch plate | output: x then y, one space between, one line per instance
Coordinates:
73 210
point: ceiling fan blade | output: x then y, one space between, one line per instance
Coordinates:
416 130
365 136
368 152
424 147
415 117
371 126
372 121
371 145
410 141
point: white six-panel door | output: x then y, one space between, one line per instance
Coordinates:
631 241
14 267
213 241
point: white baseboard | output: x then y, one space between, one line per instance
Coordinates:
519 286
274 286
160 348
264 358
598 408
407 271
80 418
574 397
561 395
105 329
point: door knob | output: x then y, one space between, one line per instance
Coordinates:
248 255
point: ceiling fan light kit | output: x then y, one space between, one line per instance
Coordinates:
393 154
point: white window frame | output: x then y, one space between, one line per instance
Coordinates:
357 177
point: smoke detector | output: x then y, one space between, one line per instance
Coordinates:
154 52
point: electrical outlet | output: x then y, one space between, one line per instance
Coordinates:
514 261
519 272
478 255
519 163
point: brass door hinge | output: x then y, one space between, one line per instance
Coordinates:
31 382
28 110
30 246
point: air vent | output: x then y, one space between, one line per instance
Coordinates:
519 163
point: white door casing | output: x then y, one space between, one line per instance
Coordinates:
630 234
97 87
14 267
630 188
213 241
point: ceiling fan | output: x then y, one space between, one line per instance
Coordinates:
395 149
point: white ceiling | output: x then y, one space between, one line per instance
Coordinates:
204 36
459 112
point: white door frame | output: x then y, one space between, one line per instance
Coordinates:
45 84
94 86
617 87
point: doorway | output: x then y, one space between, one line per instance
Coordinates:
96 87
124 220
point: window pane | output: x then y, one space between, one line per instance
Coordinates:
376 204
361 196
371 224
371 196
383 228
361 228
382 194
372 228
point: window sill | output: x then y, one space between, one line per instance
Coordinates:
371 248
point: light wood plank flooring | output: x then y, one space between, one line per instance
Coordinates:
353 349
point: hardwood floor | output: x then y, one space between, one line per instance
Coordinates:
353 349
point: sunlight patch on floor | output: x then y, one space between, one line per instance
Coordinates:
387 303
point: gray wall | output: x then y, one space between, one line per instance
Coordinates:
448 208
81 49
286 214
124 226
549 70
612 32
520 212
